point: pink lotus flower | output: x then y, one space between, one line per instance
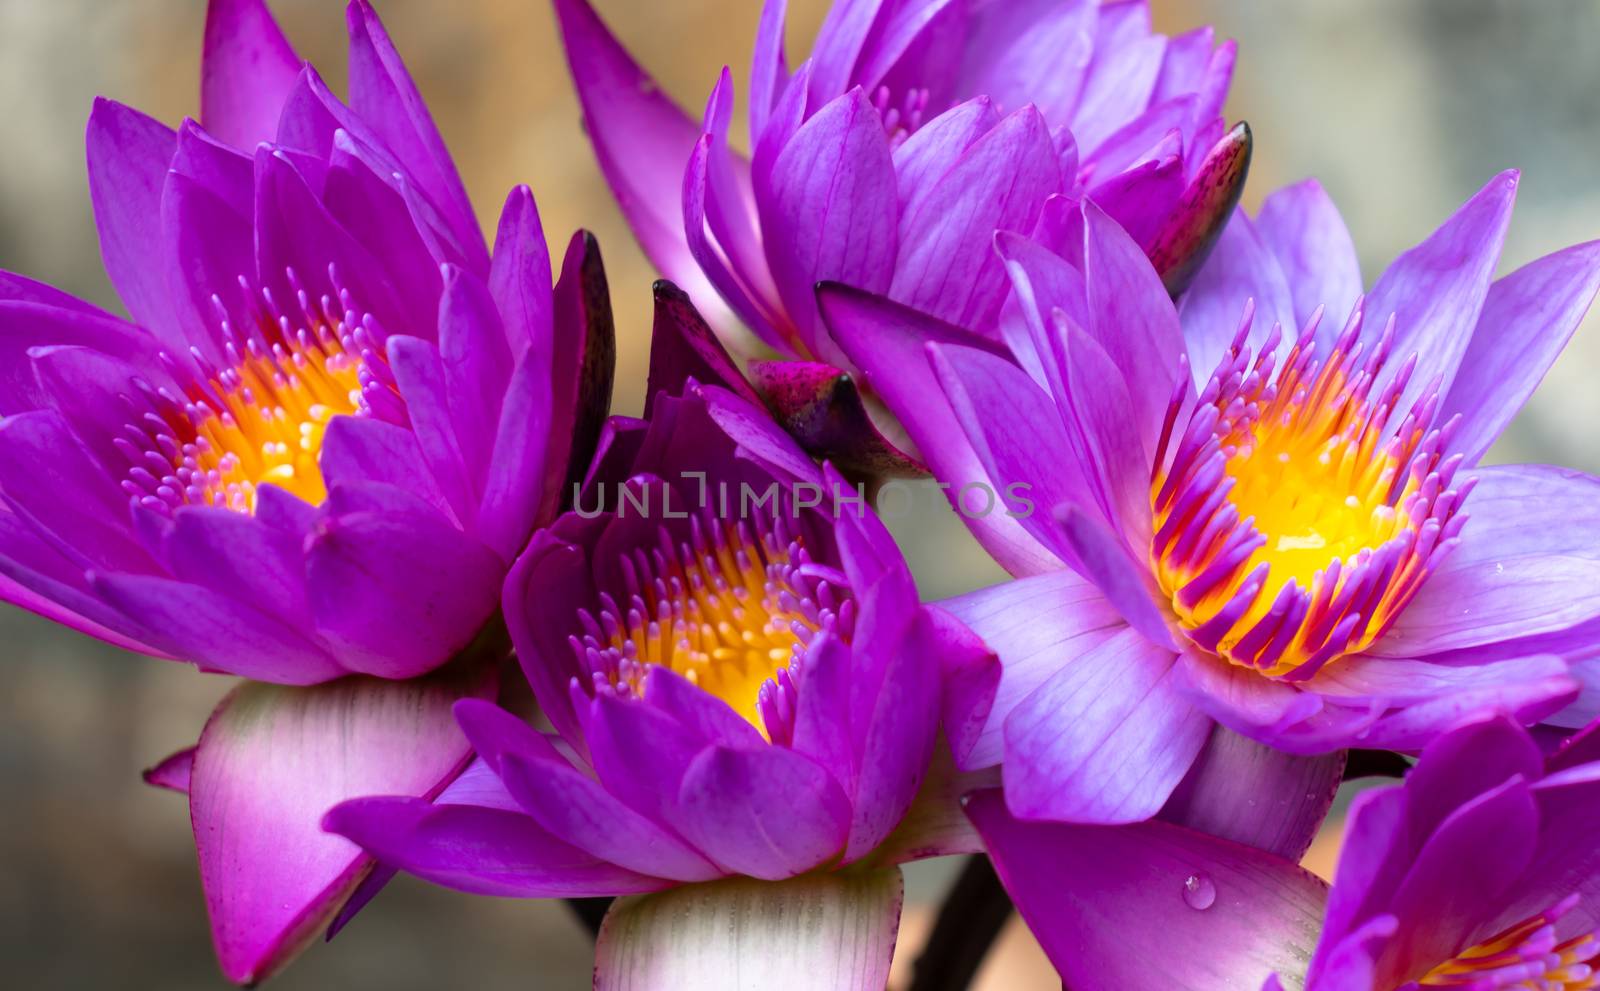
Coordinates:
312 456
1478 872
1285 533
890 158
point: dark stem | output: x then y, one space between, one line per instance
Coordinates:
969 921
1375 764
590 911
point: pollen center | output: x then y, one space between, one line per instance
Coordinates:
275 407
1524 957
258 416
1299 513
732 609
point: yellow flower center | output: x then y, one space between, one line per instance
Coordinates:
1525 957
261 417
274 409
731 609
1296 518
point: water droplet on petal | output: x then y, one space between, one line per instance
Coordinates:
1198 892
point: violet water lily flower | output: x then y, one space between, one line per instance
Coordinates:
889 158
310 457
1284 531
1479 872
740 679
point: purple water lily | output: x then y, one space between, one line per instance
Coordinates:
1479 872
312 455
887 161
1298 542
739 675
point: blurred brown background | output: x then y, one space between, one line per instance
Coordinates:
1402 108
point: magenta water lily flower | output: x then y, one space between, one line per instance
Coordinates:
1479 872
311 456
1285 531
891 156
739 675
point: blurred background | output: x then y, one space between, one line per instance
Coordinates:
1403 109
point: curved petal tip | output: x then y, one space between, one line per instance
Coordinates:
1186 239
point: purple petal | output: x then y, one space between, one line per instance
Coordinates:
1373 857
945 266
769 813
1465 763
541 594
358 449
295 231
769 71
383 94
128 157
575 808
1302 228
721 225
477 367
641 756
240 557
935 825
1118 88
924 158
226 171
1528 563
1105 739
1141 199
683 347
1119 461
700 936
16 288
520 276
820 406
1185 243
1438 904
583 366
173 772
212 244
246 73
1185 911
420 373
900 736
643 141
1034 52
887 341
1431 698
272 877
1437 289
39 460
1035 626
362 196
36 576
1016 434
482 851
838 47
1243 791
1132 318
217 632
1241 268
831 212
398 593
1527 319
1110 564
971 672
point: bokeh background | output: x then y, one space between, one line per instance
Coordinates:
1402 107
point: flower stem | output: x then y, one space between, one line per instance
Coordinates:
590 911
969 921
